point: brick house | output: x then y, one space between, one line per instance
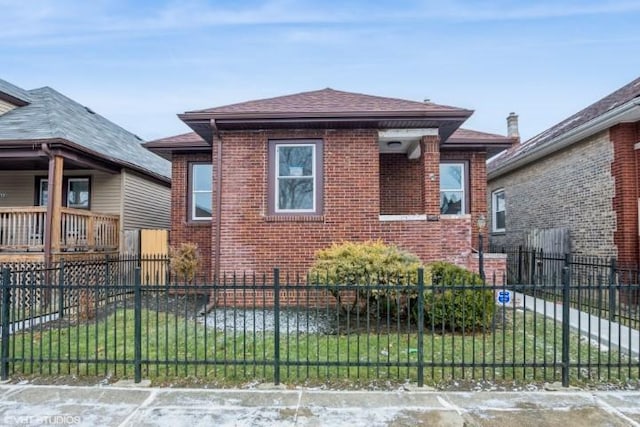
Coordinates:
581 174
267 183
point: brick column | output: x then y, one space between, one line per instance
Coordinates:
625 200
478 197
430 146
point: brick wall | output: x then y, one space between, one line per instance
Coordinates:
625 201
183 230
252 241
401 182
572 188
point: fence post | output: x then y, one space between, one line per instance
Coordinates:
107 271
276 326
612 290
566 281
61 290
532 268
481 256
520 265
6 305
420 327
137 328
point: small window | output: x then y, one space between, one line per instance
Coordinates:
43 192
452 189
498 209
201 193
78 193
295 177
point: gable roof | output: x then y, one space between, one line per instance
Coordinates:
327 108
52 116
617 107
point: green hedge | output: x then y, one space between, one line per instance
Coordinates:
373 263
456 301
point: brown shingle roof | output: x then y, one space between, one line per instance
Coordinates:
186 142
583 117
463 135
329 101
189 138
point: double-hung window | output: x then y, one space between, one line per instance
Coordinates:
498 211
452 188
200 191
295 170
77 195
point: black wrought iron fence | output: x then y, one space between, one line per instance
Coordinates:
598 285
296 329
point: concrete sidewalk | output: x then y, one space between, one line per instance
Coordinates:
28 405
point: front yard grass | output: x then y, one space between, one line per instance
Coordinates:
522 347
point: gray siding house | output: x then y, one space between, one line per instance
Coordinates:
71 181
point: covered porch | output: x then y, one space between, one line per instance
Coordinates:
24 229
56 202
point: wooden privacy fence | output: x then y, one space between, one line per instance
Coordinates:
154 244
549 240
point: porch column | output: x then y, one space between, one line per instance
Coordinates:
431 163
54 205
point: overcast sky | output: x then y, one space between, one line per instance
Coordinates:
139 63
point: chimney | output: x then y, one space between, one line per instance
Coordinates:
512 126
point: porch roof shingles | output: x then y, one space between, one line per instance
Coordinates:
51 115
13 93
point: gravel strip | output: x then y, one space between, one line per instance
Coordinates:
291 320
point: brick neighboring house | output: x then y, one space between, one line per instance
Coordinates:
267 183
582 174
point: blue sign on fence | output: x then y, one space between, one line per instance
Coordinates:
504 297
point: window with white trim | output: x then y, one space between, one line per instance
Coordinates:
295 172
201 191
452 188
498 211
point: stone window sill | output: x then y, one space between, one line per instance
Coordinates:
294 218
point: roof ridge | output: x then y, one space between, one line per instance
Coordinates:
45 96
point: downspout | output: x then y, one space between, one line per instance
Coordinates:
218 139
47 228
